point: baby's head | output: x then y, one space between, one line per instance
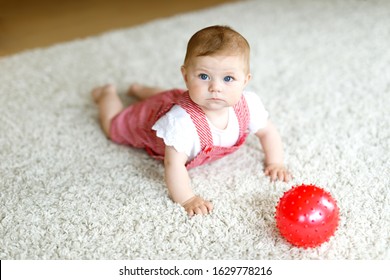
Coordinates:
218 40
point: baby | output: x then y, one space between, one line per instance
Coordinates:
188 128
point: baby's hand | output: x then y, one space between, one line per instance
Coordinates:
197 206
277 171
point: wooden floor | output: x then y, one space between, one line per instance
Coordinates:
26 24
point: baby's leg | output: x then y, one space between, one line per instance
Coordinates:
143 92
109 105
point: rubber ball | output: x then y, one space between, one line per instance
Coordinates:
307 216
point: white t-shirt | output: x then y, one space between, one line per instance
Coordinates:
177 129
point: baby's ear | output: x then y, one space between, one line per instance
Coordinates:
184 73
248 78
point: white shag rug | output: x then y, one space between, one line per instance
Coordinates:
322 69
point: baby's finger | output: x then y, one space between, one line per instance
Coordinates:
273 175
204 209
287 177
209 206
198 210
281 175
190 212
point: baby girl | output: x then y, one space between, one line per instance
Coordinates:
188 128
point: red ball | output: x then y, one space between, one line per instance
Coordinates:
307 216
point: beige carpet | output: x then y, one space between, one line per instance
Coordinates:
322 71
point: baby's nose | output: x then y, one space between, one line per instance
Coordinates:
215 86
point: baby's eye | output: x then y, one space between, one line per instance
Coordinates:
204 77
228 79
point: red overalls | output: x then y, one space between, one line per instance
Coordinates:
133 126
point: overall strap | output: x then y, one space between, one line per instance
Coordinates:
199 119
242 112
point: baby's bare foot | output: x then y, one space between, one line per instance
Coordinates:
135 89
96 94
99 92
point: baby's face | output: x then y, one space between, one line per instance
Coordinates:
216 82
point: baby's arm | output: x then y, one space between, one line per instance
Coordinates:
273 149
179 184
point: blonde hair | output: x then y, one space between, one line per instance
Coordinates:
217 39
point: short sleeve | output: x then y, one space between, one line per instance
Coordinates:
258 114
177 130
